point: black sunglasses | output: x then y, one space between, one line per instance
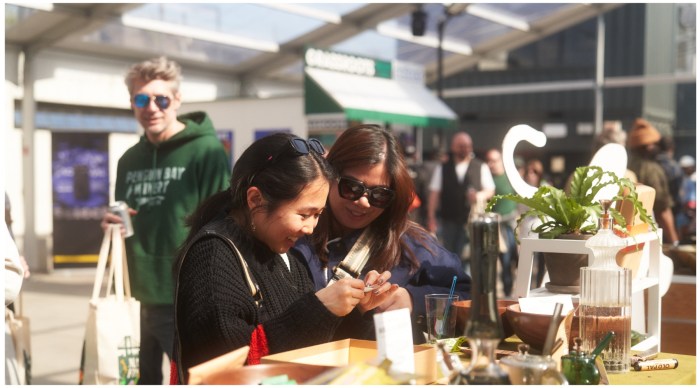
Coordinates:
298 147
352 189
142 100
302 147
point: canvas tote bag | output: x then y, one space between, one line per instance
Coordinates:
18 358
112 336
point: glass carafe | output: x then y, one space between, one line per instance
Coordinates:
606 298
484 328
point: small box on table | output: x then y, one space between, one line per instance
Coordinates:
351 351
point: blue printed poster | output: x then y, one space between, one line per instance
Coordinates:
80 185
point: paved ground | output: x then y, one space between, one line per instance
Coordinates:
57 306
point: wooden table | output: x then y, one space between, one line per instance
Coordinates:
684 374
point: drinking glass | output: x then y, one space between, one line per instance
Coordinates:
441 316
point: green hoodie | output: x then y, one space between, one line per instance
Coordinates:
165 183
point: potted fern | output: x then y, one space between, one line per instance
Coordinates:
574 215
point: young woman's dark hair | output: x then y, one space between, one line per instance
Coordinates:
367 145
272 165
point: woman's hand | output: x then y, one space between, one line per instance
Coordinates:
381 292
342 296
398 300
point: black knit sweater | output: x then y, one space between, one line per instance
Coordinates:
216 312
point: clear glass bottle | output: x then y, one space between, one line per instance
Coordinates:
484 328
606 298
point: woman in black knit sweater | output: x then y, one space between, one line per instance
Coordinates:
278 190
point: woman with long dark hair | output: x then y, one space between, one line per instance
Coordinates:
373 193
235 284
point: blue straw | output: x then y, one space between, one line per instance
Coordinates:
447 309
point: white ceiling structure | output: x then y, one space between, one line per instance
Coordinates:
264 42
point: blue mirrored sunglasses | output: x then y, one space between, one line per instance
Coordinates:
142 100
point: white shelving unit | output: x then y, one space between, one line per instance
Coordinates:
648 281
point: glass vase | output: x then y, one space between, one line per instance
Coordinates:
484 328
606 300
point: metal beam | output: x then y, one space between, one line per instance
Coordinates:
577 84
198 34
599 75
506 19
78 21
29 241
546 26
325 36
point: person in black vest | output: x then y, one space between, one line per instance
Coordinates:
456 186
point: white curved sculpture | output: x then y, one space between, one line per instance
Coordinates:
610 157
515 135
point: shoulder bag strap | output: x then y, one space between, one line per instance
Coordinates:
354 261
102 262
116 271
117 258
252 286
127 282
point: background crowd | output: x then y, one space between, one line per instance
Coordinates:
651 161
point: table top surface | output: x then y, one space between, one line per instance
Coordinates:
684 374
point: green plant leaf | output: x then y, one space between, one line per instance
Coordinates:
577 212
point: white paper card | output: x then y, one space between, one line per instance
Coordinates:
395 339
545 304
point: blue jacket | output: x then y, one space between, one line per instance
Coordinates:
434 276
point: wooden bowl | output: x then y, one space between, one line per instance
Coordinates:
683 255
464 308
531 328
254 374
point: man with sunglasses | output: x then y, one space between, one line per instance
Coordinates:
177 163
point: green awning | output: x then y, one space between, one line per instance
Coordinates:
365 98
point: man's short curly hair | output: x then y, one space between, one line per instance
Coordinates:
157 68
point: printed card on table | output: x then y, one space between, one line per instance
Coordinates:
395 339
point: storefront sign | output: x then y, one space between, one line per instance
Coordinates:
347 63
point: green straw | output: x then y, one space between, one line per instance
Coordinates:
606 340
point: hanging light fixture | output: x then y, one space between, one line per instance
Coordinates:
418 21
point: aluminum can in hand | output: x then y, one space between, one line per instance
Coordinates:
121 209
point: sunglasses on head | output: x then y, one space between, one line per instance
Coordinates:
142 100
298 147
302 147
352 189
